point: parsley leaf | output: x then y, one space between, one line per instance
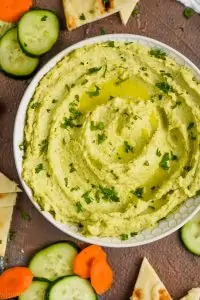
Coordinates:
158 153
94 93
124 237
43 146
39 168
97 126
190 125
94 70
164 87
138 192
111 44
127 147
158 53
86 196
188 12
79 206
36 105
82 17
109 193
101 138
164 161
72 168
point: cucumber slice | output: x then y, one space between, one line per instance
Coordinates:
4 26
54 261
12 59
38 30
190 235
71 287
36 291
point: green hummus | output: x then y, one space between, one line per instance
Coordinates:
112 139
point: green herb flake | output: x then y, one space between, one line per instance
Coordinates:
97 126
187 168
124 237
173 156
158 53
188 12
25 216
43 146
127 147
75 188
165 87
111 44
44 18
82 17
158 153
79 207
190 125
138 192
101 138
177 103
94 93
94 70
121 80
35 105
71 168
86 196
133 234
102 31
164 161
66 181
39 168
109 193
54 101
146 163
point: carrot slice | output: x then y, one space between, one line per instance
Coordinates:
12 10
14 281
83 260
101 276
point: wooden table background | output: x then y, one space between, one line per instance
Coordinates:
179 270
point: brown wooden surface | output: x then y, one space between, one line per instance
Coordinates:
179 270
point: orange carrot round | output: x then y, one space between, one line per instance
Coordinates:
101 276
14 281
83 260
12 10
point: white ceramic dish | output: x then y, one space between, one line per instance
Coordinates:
165 227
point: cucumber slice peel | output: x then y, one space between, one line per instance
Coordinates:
190 235
54 261
38 31
73 286
13 60
36 291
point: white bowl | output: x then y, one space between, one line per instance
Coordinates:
165 227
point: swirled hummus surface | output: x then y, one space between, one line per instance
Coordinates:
112 138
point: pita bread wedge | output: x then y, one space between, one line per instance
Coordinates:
148 285
5 221
7 186
7 200
193 294
79 12
127 10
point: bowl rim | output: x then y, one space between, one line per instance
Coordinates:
20 122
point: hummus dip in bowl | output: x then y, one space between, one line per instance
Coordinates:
106 140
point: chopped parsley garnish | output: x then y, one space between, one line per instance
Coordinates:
72 168
102 31
79 206
158 53
43 146
101 138
173 156
136 12
187 168
94 93
72 120
165 73
138 192
43 19
124 236
158 153
39 168
177 103
66 181
86 196
97 126
160 97
127 147
69 122
133 234
164 161
54 101
120 80
109 193
35 105
111 44
188 12
94 70
165 87
190 125
146 163
25 216
198 193
75 188
82 17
